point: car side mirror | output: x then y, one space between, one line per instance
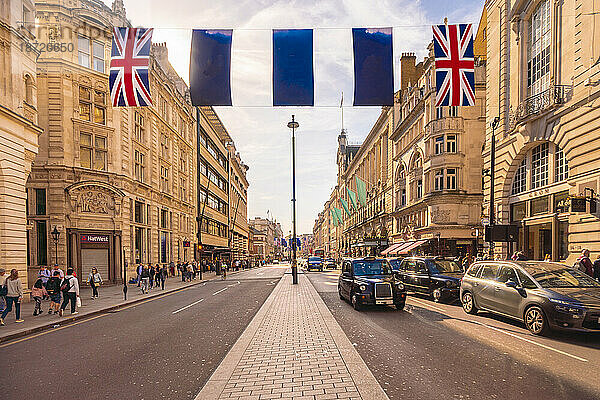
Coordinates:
512 284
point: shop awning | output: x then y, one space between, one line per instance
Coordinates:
411 246
391 248
399 248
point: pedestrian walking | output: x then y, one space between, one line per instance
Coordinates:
139 274
14 295
145 278
70 290
2 289
94 280
584 263
60 271
38 292
152 273
53 289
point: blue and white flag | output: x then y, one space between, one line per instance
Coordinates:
373 67
210 67
293 75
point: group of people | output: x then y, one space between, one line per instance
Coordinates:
149 276
584 263
60 288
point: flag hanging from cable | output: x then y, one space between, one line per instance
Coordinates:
373 67
293 75
454 65
130 55
210 67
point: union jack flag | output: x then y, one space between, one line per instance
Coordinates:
454 65
129 83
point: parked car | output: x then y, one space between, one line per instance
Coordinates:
433 276
544 295
370 281
314 263
330 263
395 263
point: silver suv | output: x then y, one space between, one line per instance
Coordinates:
544 295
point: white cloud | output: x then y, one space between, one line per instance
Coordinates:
259 130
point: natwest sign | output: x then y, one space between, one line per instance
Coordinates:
94 238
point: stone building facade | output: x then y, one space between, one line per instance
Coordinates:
19 130
543 83
267 236
118 184
437 165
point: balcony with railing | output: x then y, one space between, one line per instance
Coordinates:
445 125
539 103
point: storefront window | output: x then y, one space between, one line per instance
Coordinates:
561 203
539 206
563 244
518 211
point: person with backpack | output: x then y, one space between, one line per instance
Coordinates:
95 280
163 276
584 263
145 278
14 295
53 289
70 290
38 292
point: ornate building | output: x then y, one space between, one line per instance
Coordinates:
437 164
117 184
543 84
267 236
18 128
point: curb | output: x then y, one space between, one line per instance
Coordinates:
66 320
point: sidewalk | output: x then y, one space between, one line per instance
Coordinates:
111 297
292 349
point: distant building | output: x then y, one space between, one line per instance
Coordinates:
267 238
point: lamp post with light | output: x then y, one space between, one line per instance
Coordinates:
55 236
293 125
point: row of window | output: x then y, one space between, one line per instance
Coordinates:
555 203
214 228
444 144
213 202
536 163
445 179
90 53
92 105
212 148
212 175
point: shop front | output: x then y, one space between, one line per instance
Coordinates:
99 249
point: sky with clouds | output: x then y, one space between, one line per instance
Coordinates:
258 129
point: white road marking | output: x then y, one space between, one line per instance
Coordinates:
237 283
507 333
219 291
188 306
532 342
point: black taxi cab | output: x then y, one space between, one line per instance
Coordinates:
370 281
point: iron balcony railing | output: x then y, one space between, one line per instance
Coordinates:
536 104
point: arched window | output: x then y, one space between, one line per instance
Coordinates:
535 168
28 89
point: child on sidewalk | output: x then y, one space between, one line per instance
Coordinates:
53 288
38 292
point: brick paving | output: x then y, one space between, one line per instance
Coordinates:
289 352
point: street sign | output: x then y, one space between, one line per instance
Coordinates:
578 204
485 221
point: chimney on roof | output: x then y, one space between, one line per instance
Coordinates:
408 71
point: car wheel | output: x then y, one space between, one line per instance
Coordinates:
356 302
437 295
468 303
340 293
536 321
400 305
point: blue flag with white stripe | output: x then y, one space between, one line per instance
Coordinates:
293 75
373 67
210 67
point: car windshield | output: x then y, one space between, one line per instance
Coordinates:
444 266
553 277
375 267
395 264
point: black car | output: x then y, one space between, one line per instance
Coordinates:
433 276
395 263
370 281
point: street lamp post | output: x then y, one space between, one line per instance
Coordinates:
293 125
495 123
55 236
